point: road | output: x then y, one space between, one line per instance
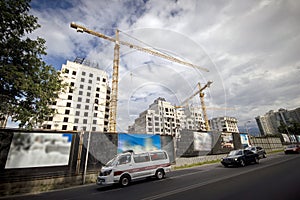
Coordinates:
276 177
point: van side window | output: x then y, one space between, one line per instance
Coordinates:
158 156
143 157
124 159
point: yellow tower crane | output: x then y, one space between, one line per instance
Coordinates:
201 95
115 77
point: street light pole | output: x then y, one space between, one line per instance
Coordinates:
88 142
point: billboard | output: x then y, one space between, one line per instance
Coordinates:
227 140
138 142
244 140
202 141
285 138
39 150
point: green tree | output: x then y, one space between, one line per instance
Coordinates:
293 128
28 85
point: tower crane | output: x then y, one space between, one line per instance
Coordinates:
115 77
201 95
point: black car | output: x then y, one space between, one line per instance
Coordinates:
240 157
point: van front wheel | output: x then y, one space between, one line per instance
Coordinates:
160 174
124 180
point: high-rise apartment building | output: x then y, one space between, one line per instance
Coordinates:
85 104
224 124
268 124
162 118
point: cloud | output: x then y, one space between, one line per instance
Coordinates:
250 47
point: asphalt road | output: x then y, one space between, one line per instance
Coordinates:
276 177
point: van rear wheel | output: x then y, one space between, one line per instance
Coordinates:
160 174
124 180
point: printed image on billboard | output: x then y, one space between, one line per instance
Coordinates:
202 141
39 149
227 140
244 140
293 139
138 142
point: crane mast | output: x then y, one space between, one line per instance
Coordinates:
114 92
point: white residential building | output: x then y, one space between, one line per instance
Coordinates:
224 124
162 118
85 104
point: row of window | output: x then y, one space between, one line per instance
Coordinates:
83 73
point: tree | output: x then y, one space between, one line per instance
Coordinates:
293 128
27 84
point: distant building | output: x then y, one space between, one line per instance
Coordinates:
162 118
85 103
224 124
268 124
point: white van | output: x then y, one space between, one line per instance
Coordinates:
128 166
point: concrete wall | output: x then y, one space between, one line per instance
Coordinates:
269 144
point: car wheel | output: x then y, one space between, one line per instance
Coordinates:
256 160
124 180
242 163
160 174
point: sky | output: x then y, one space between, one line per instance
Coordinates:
251 49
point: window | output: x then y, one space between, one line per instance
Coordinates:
79 99
81 86
83 73
90 81
85 121
97 94
48 126
75 128
158 156
74 73
93 128
98 78
78 106
86 114
94 121
86 107
96 107
98 89
72 84
124 159
77 113
50 119
67 112
88 94
70 90
84 128
143 157
68 104
80 92
82 80
66 119
70 97
89 87
64 127
95 114
66 71
104 80
87 100
91 75
76 120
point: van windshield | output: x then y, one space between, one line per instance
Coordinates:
112 162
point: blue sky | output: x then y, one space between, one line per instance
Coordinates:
250 47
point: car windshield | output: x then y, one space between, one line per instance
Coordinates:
235 153
250 148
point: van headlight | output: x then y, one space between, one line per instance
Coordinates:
106 173
236 159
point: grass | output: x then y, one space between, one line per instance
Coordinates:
196 164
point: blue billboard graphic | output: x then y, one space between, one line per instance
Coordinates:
138 142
